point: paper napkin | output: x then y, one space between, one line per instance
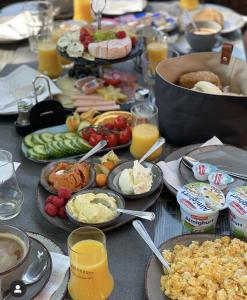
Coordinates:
171 169
13 29
60 265
18 84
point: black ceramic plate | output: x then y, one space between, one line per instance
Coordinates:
34 289
120 204
225 157
140 204
113 177
47 169
136 51
154 270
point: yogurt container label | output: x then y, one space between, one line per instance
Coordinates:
200 204
237 203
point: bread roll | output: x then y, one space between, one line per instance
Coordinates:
188 80
210 14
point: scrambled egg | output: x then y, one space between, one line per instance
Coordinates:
84 209
213 270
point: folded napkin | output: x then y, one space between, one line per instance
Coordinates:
18 84
60 265
13 29
171 169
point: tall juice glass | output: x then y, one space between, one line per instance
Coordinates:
156 52
82 10
90 278
189 4
48 58
145 130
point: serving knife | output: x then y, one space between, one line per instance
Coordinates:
189 161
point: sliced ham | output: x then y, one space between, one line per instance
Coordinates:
111 49
87 97
98 108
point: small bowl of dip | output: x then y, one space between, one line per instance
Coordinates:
200 204
205 37
237 204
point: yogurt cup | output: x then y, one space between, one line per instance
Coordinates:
200 204
202 170
237 204
220 179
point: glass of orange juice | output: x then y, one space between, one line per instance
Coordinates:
145 130
90 278
82 10
48 58
189 4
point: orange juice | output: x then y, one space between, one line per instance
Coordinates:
49 63
56 34
90 277
189 4
143 138
156 52
82 10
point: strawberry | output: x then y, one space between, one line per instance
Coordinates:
58 202
51 210
62 213
121 34
133 40
64 193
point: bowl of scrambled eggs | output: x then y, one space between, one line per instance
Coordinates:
94 207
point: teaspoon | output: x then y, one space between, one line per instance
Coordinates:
155 146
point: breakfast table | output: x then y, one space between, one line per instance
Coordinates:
127 253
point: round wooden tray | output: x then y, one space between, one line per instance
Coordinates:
65 224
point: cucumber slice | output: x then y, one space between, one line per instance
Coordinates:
69 148
28 141
83 124
76 146
70 135
40 150
34 155
58 136
83 145
46 137
37 140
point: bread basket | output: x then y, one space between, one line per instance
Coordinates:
187 116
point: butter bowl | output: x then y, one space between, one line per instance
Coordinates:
113 179
75 208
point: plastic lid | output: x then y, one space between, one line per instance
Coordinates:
202 198
237 201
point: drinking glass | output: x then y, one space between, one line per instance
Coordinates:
39 18
145 130
82 10
11 197
48 59
90 278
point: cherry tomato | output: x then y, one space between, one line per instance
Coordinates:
124 137
111 140
129 130
109 126
95 139
85 135
120 122
91 130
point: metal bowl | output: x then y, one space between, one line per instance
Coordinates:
47 169
114 175
120 204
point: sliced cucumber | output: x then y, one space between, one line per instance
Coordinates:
83 124
34 155
76 146
70 135
37 140
58 136
40 150
69 148
46 137
83 145
28 141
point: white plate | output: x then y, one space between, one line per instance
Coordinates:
232 20
120 7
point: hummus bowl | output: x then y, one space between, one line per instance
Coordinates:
94 207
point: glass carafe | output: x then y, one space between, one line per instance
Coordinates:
11 197
90 278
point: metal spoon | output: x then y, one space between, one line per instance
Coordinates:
95 149
145 236
98 7
155 146
140 214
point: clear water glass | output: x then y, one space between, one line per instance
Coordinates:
11 197
39 19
